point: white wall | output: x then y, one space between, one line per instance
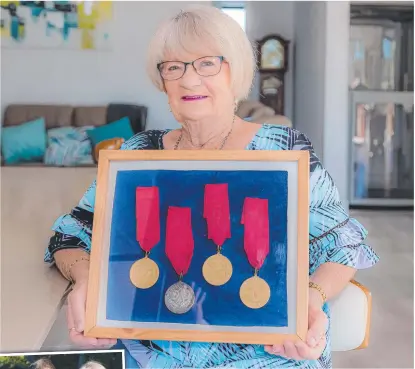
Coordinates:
270 17
321 84
336 98
309 70
89 77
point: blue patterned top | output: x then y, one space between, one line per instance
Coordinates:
334 237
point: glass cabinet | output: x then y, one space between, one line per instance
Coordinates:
381 66
382 164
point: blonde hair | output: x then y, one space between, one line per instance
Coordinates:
203 30
43 363
92 365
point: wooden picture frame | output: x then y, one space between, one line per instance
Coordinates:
111 163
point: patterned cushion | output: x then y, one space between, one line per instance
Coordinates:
69 146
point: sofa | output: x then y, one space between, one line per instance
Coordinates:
57 116
257 112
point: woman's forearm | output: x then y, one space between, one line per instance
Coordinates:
332 278
73 264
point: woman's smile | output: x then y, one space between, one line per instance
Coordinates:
188 98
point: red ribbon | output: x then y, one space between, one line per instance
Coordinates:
216 212
147 212
179 238
256 234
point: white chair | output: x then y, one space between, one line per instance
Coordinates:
350 318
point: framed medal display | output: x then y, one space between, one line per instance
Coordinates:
207 246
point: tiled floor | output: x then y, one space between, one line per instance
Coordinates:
392 284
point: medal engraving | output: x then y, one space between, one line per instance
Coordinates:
179 298
255 292
144 273
217 270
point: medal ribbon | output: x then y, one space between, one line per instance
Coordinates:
147 217
179 238
216 212
256 233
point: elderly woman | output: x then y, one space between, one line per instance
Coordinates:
205 64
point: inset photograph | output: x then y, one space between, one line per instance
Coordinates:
104 359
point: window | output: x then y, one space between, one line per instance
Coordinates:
239 14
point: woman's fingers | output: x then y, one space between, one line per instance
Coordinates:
308 353
76 336
89 342
86 342
317 329
291 351
105 342
304 350
81 341
275 350
298 350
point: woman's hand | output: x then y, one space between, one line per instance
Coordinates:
315 342
76 319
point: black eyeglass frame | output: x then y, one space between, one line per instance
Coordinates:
221 58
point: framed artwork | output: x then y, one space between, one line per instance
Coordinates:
73 25
272 66
204 246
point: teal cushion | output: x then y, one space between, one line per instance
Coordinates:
69 146
118 129
25 142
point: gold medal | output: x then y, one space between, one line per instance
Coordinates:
217 270
255 292
144 273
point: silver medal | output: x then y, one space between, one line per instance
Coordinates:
179 298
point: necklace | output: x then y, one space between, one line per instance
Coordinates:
176 146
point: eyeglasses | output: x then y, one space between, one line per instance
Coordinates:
206 66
